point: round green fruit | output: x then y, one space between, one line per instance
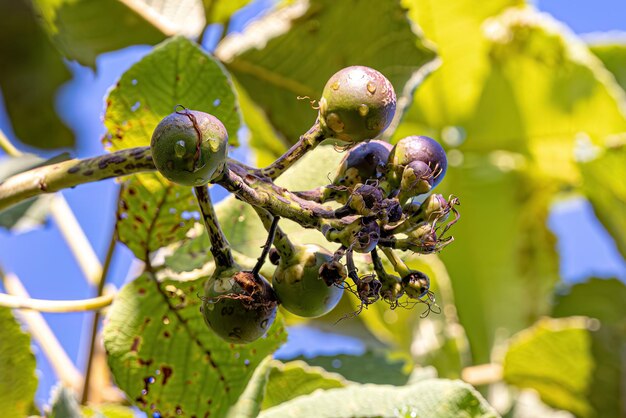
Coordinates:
189 147
298 284
357 104
239 306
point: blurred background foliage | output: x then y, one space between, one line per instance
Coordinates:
529 114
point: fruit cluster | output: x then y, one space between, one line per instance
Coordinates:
369 207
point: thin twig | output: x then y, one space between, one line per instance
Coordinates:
56 306
7 146
96 317
63 367
267 246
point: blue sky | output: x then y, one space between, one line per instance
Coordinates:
45 265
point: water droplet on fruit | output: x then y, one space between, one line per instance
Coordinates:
371 87
179 148
334 122
363 110
335 85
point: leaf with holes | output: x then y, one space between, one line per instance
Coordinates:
83 29
176 72
293 52
153 212
18 382
430 398
166 360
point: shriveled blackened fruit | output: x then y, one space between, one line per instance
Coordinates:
417 148
239 306
189 147
415 284
366 161
357 104
298 284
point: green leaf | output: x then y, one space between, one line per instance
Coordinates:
449 95
83 29
30 74
153 212
64 403
32 212
604 186
373 366
291 53
431 398
18 382
602 299
502 263
175 72
108 411
266 143
165 359
613 56
296 378
220 11
555 358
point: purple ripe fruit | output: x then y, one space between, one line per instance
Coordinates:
418 148
189 147
357 104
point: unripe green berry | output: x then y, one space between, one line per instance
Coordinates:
298 284
357 104
238 306
189 147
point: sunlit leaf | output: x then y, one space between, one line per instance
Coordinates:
108 411
604 185
613 56
431 398
503 262
18 382
166 360
175 72
448 96
83 29
291 53
370 367
555 358
30 74
602 299
295 378
153 212
220 11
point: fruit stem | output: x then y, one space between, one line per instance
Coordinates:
398 264
70 173
308 141
56 306
378 265
271 232
220 248
283 244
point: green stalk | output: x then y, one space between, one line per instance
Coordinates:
396 262
220 248
311 139
66 174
